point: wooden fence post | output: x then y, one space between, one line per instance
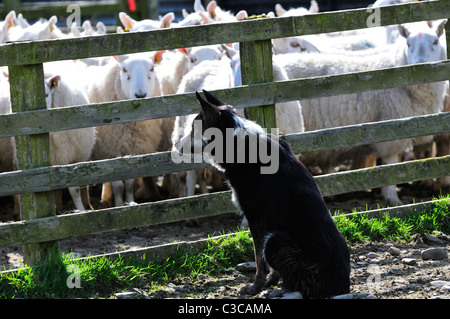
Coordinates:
27 94
256 67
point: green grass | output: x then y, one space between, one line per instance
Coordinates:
101 277
361 228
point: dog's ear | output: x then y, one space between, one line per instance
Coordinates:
212 99
208 108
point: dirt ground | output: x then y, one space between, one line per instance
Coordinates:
375 272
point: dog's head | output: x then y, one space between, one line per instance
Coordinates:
219 132
211 124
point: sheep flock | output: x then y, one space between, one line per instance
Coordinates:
150 74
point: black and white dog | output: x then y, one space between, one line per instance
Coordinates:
293 232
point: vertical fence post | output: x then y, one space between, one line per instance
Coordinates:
27 94
256 67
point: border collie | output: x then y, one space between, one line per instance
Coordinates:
293 232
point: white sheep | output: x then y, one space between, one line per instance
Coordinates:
392 34
202 53
422 45
281 12
443 143
209 75
299 43
218 15
147 24
70 146
173 67
198 17
7 144
40 30
361 39
7 151
289 117
132 76
66 147
88 30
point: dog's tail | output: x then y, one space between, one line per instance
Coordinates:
304 269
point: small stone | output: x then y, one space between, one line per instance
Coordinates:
394 251
445 288
409 261
201 277
440 283
271 293
127 295
360 295
372 255
247 266
432 240
292 295
434 253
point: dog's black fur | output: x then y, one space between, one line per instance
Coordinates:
292 229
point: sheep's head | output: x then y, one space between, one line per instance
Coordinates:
203 53
147 24
51 84
137 74
423 41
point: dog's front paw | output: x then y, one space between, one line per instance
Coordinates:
250 290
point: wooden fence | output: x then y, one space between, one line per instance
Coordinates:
30 122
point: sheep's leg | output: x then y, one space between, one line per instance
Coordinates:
107 195
117 188
191 179
75 192
390 192
202 181
129 191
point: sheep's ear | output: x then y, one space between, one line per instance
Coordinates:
211 8
74 29
54 81
241 15
157 58
52 22
119 29
101 28
198 7
208 109
9 20
22 21
126 20
185 50
314 8
404 32
279 10
120 58
229 51
87 27
205 18
212 99
167 20
440 28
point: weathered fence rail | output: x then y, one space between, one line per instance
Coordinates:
31 122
